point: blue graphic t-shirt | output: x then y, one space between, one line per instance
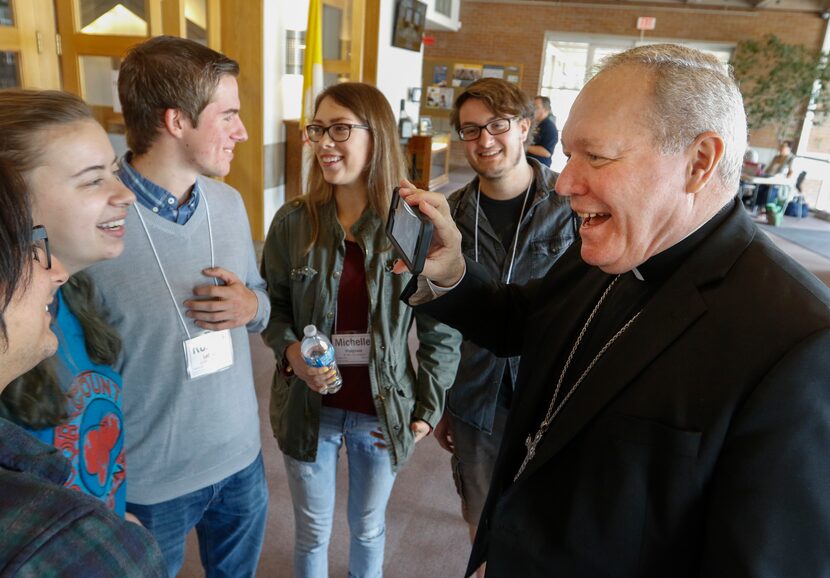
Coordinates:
93 437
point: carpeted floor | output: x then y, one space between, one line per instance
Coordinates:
815 240
425 534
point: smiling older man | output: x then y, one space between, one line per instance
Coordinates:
660 425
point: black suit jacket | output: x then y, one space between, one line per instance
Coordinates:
699 444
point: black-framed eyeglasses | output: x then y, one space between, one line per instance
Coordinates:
494 127
40 247
338 132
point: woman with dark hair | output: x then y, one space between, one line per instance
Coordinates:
73 400
328 263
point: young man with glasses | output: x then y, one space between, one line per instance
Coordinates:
188 266
48 530
515 225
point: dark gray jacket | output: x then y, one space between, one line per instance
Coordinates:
547 229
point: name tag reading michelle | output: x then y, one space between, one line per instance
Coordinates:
352 348
208 353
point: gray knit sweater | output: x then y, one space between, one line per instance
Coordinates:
181 434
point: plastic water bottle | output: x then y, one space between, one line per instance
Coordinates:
318 351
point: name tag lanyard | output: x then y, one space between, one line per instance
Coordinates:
518 226
211 351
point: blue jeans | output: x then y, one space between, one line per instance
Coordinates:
313 484
230 521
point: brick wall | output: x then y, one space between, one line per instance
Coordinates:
515 32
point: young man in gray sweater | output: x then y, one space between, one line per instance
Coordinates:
190 409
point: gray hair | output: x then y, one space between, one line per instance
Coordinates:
693 93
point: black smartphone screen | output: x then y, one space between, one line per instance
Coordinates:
410 233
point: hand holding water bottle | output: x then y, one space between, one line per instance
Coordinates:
313 362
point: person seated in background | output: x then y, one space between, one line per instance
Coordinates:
48 530
751 167
545 135
781 164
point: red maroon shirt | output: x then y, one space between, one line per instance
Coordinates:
353 317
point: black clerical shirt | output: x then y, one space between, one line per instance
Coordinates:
629 296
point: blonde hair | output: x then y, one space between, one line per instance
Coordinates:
386 163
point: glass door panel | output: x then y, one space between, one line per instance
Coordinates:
6 13
196 20
9 69
99 88
112 17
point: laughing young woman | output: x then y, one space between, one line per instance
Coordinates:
327 262
72 401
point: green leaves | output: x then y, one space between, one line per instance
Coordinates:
780 82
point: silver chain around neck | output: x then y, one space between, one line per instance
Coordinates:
553 409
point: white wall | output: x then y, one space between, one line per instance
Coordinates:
282 93
398 69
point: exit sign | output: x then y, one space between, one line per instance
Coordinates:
646 23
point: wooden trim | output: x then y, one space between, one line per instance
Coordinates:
69 59
358 39
155 20
293 158
9 38
371 27
172 18
104 45
242 38
338 67
214 24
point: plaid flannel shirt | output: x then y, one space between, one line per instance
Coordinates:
48 530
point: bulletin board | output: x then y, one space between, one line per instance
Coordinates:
444 79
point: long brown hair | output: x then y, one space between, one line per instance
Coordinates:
35 399
386 164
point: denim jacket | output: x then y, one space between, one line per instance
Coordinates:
547 229
303 289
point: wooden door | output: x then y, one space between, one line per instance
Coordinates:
28 52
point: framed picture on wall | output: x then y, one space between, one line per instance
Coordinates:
410 18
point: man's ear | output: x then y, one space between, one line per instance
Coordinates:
174 120
524 125
705 155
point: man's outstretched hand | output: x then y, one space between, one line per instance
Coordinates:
444 265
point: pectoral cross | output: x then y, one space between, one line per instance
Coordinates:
530 443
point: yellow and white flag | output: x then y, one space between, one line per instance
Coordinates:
313 62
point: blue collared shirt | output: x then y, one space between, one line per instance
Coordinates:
156 198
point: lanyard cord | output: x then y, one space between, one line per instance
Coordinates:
518 226
161 268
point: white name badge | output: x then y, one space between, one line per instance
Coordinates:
352 348
208 353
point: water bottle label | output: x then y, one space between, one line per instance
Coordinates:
323 360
